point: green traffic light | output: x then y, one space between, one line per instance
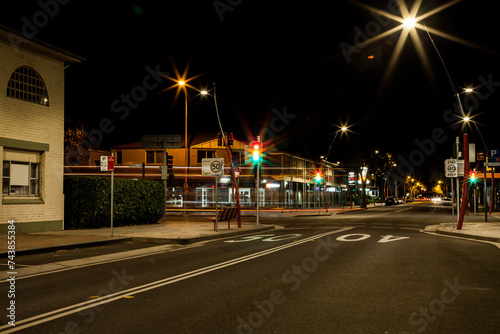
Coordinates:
473 177
256 155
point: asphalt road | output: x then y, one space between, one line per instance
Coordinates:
374 271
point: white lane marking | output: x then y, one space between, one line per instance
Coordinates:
56 314
402 210
55 267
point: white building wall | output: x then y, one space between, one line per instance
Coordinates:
26 122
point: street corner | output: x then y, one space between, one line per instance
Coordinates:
477 231
431 228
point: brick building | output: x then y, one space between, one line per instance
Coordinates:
31 132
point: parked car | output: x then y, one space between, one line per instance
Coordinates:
391 201
446 201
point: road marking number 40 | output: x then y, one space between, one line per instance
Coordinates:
359 237
347 237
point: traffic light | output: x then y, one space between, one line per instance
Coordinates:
170 164
473 176
219 139
318 177
230 139
256 149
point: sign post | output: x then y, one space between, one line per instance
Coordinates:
451 171
214 167
108 164
111 166
492 161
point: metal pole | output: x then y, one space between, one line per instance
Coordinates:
466 175
485 190
324 195
474 198
257 193
233 170
164 180
186 150
216 204
457 181
112 199
453 204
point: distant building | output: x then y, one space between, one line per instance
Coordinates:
287 181
31 132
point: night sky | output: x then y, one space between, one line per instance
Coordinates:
279 68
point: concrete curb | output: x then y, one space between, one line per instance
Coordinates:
468 236
69 246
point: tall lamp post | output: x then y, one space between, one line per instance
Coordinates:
343 129
410 23
182 83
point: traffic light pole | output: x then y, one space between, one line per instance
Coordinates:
165 154
235 181
257 194
324 195
465 183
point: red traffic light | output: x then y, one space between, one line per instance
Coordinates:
256 149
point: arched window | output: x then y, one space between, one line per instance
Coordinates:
27 85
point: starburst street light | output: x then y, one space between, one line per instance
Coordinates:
409 24
181 82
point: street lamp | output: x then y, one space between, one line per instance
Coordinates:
409 23
182 85
181 82
342 129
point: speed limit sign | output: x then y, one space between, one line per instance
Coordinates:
212 167
451 168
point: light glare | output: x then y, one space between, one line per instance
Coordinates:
409 23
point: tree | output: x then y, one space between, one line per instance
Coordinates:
76 144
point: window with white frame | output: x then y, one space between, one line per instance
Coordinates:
21 178
26 84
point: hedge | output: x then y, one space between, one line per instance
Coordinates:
87 202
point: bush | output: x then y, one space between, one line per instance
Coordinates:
87 202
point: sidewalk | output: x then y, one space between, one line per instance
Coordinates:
176 230
474 227
478 231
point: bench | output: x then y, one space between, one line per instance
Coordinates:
225 214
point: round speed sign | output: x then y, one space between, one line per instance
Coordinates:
216 167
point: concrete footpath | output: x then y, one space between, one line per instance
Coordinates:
478 231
